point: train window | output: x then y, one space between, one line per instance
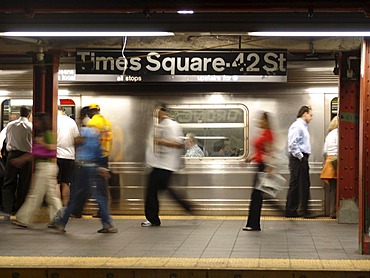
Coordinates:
220 130
334 108
10 109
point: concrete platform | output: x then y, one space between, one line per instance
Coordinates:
184 247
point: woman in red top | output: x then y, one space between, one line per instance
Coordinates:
262 147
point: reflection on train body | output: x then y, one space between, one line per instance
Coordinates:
217 185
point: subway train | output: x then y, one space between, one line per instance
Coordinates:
216 185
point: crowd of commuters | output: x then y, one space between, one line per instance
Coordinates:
72 165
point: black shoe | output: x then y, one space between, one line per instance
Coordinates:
291 215
250 229
310 216
149 224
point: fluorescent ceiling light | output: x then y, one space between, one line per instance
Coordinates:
185 12
86 34
310 34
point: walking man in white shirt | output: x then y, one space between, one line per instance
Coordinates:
299 148
67 131
164 160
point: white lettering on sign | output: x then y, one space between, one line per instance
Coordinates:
207 64
66 75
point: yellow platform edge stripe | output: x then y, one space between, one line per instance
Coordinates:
182 263
212 217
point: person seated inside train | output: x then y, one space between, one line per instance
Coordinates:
219 148
192 148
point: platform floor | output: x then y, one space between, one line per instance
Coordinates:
185 243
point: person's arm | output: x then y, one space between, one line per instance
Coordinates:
19 161
168 143
41 140
2 139
293 144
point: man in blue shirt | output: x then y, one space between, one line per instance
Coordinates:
87 171
299 148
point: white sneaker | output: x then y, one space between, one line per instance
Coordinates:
148 224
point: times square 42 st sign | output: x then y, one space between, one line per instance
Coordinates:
181 66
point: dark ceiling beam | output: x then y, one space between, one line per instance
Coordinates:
171 6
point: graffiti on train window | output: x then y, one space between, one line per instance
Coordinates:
220 131
208 115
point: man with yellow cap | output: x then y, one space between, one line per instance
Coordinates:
104 126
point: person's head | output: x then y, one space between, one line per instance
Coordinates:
60 110
219 146
190 140
41 123
333 124
84 115
162 111
264 121
93 109
305 113
24 111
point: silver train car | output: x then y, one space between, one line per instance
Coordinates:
216 185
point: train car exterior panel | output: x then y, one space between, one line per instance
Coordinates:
215 185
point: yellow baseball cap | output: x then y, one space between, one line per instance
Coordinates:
94 106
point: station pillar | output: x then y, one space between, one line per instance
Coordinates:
364 148
348 152
45 84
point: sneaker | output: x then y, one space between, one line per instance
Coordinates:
108 230
5 217
51 225
19 224
57 228
149 224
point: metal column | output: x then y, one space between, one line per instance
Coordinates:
45 84
364 163
349 92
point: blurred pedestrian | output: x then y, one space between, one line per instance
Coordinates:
262 151
67 131
299 149
44 179
164 159
329 171
87 171
98 121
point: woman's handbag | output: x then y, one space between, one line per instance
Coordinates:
270 183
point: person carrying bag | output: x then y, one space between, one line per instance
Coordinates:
262 156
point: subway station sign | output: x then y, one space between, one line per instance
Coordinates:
181 66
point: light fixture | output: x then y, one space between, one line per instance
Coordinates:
185 12
85 34
310 34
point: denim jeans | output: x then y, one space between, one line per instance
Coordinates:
85 177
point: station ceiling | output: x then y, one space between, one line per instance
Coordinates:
213 22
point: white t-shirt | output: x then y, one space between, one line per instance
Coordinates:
164 157
67 131
331 143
